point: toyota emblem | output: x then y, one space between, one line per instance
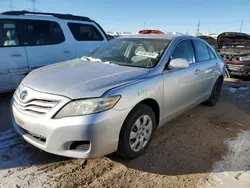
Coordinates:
23 94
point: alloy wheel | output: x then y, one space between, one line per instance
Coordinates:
140 133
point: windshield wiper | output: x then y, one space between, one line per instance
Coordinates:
91 59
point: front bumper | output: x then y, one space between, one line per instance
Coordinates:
238 69
57 135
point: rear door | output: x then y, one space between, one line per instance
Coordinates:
13 61
45 43
206 65
87 37
181 85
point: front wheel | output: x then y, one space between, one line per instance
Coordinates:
137 132
215 93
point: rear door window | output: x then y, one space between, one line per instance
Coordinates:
9 35
201 50
40 32
85 32
211 54
184 50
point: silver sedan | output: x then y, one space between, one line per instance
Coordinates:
115 98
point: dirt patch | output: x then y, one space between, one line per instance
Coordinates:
182 153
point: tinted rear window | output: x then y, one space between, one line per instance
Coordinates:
40 32
85 32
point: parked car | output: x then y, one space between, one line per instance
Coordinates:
29 40
150 31
235 49
110 37
114 99
210 40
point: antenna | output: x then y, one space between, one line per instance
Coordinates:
241 25
33 5
11 5
198 28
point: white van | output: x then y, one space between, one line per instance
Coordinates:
29 40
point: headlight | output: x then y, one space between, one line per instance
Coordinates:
87 106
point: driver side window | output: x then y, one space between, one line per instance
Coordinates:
184 50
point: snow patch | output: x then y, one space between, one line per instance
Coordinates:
243 88
234 168
232 90
20 164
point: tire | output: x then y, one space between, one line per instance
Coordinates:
129 147
215 93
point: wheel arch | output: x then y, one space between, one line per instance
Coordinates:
153 104
150 103
221 78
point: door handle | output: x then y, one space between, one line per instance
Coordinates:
4 71
15 55
197 71
66 52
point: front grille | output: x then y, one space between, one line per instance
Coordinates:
34 106
234 67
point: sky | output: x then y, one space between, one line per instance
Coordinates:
216 16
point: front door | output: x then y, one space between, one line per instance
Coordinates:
13 61
181 85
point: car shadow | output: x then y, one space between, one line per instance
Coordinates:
5 111
193 142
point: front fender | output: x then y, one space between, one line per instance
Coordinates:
134 93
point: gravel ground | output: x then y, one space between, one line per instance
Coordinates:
205 147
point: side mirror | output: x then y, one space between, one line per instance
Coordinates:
178 63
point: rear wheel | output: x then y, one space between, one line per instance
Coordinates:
137 132
215 93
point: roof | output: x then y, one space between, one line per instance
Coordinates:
59 16
155 36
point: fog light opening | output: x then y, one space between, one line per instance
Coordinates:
80 145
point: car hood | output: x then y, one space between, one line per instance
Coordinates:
81 79
233 39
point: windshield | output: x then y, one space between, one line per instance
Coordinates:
135 52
